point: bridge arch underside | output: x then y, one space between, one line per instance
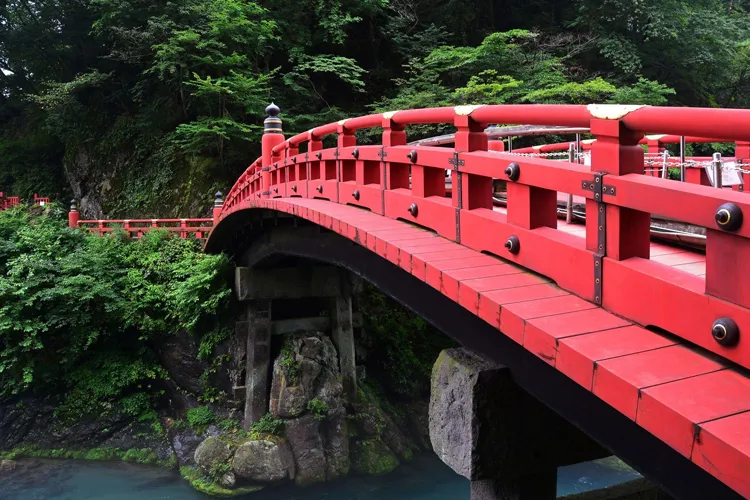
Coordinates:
276 230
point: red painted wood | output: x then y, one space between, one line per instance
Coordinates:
671 411
577 356
728 267
618 381
723 449
542 334
469 290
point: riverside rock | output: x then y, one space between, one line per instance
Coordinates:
213 450
264 460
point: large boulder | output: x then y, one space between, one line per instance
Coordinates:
306 369
304 437
213 451
186 441
264 460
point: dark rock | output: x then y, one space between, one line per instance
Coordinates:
418 424
336 445
371 456
228 480
179 356
264 460
186 441
304 437
213 451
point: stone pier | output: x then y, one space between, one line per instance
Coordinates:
259 288
490 431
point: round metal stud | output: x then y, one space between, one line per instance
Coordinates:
319 188
276 190
513 171
729 217
414 210
355 194
726 332
412 156
319 155
513 245
355 154
294 188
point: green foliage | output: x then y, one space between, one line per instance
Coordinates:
268 425
78 312
401 347
200 417
318 408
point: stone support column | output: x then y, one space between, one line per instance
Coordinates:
342 332
493 433
258 359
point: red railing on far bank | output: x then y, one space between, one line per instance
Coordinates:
135 228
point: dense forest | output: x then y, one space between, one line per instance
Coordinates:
146 108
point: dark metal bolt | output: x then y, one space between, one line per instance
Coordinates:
513 245
412 156
276 190
513 171
319 155
355 154
729 217
355 194
294 188
319 188
414 210
726 332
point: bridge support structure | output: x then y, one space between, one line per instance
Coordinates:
259 288
487 429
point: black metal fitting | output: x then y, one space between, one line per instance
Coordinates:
355 194
319 155
412 156
355 154
513 245
319 188
294 188
414 210
729 217
513 171
726 332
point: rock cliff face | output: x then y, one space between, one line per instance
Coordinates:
324 437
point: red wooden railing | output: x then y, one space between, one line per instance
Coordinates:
610 266
135 228
7 202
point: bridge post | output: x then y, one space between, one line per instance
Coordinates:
655 146
490 431
257 360
272 136
617 152
73 216
470 191
218 206
742 155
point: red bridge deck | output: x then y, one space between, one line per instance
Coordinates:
577 297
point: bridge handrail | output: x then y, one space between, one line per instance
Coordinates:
408 182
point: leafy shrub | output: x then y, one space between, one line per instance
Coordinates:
79 312
200 417
268 425
318 408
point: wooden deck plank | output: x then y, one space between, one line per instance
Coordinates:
578 356
724 451
672 411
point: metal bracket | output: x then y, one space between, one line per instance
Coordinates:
456 162
307 157
382 153
336 153
266 193
599 187
265 169
598 278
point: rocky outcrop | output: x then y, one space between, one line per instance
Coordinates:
372 456
213 451
306 390
264 460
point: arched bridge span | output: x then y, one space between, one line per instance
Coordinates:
566 308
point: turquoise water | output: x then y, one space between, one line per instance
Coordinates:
426 478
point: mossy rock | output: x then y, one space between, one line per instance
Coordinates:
372 456
206 486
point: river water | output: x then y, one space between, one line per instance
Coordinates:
425 478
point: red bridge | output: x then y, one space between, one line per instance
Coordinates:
638 343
